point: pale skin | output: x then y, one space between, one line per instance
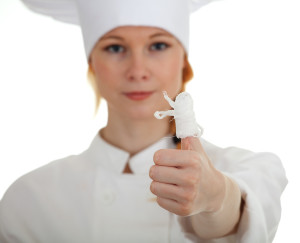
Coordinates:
132 66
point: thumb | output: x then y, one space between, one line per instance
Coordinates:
191 143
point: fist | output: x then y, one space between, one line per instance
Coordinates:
185 181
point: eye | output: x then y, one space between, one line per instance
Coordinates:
115 49
159 46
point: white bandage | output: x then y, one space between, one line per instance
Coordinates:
186 125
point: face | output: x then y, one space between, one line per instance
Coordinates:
133 65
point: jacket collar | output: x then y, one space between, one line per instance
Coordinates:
114 159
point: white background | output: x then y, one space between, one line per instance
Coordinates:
246 59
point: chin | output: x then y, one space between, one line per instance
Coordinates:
141 113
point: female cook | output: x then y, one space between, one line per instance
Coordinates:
132 184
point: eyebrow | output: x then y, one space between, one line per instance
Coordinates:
120 38
160 34
111 37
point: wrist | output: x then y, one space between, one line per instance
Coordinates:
223 219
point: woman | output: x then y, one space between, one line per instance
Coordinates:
137 49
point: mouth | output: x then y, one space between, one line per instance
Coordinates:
138 95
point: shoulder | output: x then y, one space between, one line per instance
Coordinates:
49 177
40 176
235 159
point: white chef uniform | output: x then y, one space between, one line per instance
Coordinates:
86 199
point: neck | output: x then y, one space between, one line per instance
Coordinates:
134 135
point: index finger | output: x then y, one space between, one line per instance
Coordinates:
175 157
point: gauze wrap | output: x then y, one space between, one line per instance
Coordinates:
186 125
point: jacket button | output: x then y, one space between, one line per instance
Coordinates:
107 196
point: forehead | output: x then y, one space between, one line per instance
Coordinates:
128 31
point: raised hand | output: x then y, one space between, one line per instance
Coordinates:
186 183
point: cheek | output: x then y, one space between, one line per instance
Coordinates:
104 76
100 68
172 73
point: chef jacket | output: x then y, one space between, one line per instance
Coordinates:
86 198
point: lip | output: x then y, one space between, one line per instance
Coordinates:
138 95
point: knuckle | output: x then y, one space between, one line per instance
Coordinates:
192 178
157 156
194 159
153 172
189 196
153 187
160 202
185 209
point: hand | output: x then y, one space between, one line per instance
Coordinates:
185 181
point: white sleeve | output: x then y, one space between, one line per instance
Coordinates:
261 178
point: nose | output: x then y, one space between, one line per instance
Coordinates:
138 68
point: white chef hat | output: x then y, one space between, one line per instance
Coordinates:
97 17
